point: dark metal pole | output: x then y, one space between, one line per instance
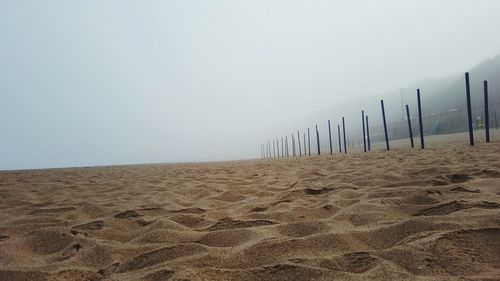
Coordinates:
343 130
368 134
409 125
330 136
317 139
486 111
385 125
420 122
363 121
469 110
298 141
309 141
340 143
293 145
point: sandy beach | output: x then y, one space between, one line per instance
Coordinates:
407 214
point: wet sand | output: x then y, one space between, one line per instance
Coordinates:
407 214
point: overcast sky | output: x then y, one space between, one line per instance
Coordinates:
115 82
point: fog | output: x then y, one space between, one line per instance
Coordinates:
118 82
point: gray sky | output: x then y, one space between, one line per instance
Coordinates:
116 82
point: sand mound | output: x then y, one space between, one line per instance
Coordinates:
356 262
227 238
468 252
44 242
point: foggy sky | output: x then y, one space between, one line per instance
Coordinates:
116 82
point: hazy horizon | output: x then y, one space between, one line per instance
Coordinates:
87 83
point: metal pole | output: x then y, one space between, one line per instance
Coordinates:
420 123
298 141
368 134
317 139
486 111
409 125
340 143
330 137
293 145
343 130
363 121
385 125
469 110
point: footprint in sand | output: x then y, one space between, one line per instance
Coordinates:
128 214
454 206
159 256
95 225
228 223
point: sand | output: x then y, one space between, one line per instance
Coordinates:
407 214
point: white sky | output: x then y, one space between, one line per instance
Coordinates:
115 82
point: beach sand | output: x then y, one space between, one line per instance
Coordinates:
407 214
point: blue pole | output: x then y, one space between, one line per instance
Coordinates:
469 110
385 125
420 122
368 133
340 143
486 111
363 121
317 139
330 137
409 125
343 129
